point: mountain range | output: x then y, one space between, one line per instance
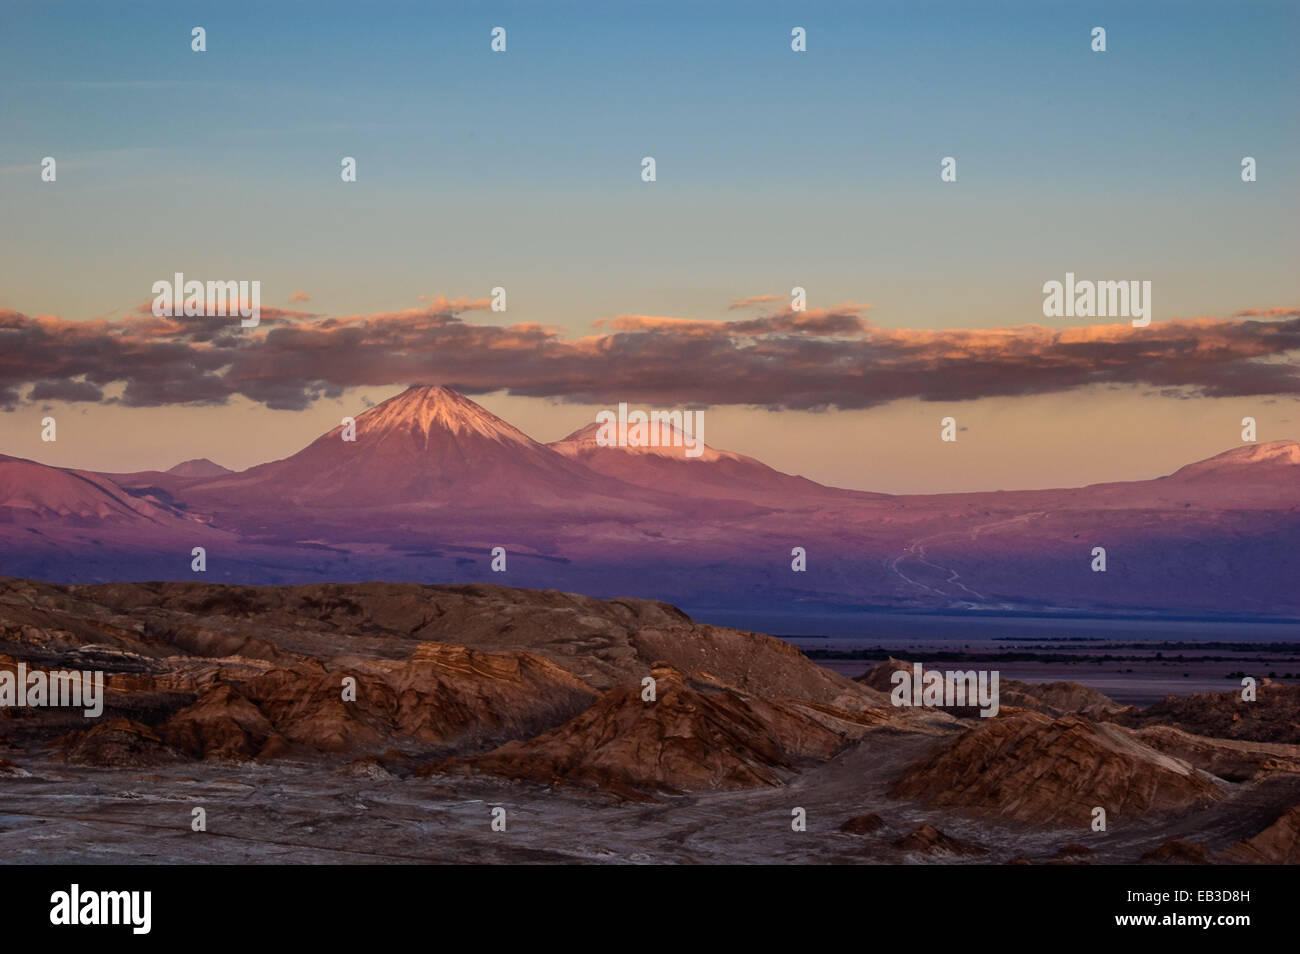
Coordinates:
425 485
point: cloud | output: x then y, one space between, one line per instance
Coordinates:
69 390
755 300
1267 313
171 325
299 295
841 320
813 359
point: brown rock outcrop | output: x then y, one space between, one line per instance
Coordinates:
879 676
694 736
863 824
223 723
116 742
927 840
1278 844
1051 698
602 642
1231 759
1274 716
441 694
1057 698
1052 772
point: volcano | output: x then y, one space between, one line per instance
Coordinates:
713 474
427 446
1274 461
199 467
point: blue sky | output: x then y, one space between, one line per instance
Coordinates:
822 165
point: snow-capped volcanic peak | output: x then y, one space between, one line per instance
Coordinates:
1271 458
1274 452
670 442
665 466
427 410
427 445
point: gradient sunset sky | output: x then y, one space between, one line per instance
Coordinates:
775 169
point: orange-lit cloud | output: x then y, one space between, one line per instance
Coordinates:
755 300
818 358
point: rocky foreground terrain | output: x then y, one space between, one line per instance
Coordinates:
403 722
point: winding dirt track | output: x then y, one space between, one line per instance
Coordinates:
916 551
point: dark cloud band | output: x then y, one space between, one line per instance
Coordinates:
803 360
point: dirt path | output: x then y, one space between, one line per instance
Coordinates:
916 551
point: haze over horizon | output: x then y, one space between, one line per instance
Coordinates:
546 425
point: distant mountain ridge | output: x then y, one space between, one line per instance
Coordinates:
33 493
433 484
199 467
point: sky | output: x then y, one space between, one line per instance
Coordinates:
774 169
